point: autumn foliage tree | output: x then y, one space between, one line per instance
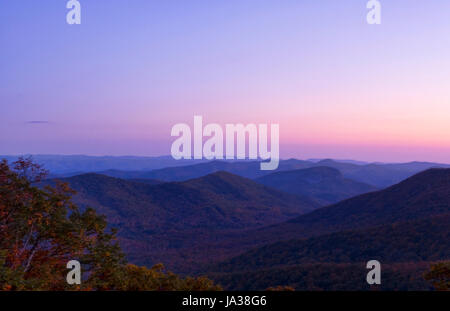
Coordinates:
41 230
439 276
155 279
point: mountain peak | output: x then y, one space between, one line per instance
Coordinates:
325 184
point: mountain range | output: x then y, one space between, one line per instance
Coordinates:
376 175
69 165
165 168
219 200
156 220
296 226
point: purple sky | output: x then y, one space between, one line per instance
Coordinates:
118 82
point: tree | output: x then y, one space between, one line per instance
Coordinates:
439 275
41 230
154 279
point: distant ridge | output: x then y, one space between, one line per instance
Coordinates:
165 168
377 175
325 184
76 164
342 161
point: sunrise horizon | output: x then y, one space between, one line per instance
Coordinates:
336 86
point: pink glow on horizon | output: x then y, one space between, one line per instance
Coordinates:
336 87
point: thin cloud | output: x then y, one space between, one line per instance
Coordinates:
38 122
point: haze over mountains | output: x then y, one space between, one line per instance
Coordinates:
165 168
78 164
377 175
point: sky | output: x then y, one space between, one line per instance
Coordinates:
117 83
